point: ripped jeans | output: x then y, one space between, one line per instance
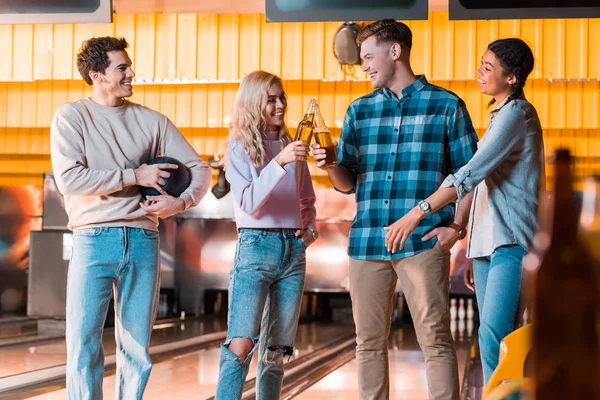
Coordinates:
265 292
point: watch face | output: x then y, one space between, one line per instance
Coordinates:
424 206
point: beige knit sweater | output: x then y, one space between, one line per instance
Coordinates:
94 151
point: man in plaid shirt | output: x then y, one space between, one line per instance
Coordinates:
397 145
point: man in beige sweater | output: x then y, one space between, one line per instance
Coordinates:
100 146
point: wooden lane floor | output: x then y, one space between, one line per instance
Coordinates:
194 376
407 371
22 359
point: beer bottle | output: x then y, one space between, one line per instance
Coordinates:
305 127
323 138
565 340
590 232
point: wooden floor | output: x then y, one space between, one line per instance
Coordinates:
194 376
21 359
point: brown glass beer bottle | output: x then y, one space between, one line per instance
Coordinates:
305 127
323 138
565 340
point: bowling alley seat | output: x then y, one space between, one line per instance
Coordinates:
511 368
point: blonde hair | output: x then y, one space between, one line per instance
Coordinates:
248 123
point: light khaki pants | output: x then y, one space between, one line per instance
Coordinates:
424 279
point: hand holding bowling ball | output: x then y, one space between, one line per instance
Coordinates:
175 184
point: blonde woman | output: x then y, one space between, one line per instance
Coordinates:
275 216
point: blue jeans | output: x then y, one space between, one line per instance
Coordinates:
265 292
497 286
126 259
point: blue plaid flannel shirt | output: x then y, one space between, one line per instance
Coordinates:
401 150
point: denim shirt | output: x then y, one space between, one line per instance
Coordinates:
505 173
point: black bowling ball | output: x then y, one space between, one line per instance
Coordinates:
175 184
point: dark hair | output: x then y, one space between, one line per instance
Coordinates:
387 30
93 55
516 58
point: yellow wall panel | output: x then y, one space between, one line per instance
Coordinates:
314 50
592 48
144 53
150 96
295 109
165 58
420 54
199 106
327 103
507 28
532 33
124 26
591 105
576 43
291 50
560 104
464 62
14 94
183 103
6 49
250 50
23 53
214 105
539 99
483 37
187 34
331 69
42 51
229 47
557 106
167 103
553 63
441 47
476 105
271 47
229 92
208 55
309 89
63 51
59 94
573 109
29 104
3 104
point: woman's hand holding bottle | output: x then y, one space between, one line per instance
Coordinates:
295 151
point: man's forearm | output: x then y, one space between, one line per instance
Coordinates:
342 179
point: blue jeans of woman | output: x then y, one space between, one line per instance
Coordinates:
265 292
104 259
497 286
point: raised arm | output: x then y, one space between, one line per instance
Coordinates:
250 190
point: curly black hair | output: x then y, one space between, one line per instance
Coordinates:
516 58
93 55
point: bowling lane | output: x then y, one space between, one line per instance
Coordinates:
407 371
29 358
16 327
194 375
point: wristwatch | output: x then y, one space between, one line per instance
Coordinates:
314 232
424 206
462 232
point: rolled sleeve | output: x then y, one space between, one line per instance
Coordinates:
461 181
